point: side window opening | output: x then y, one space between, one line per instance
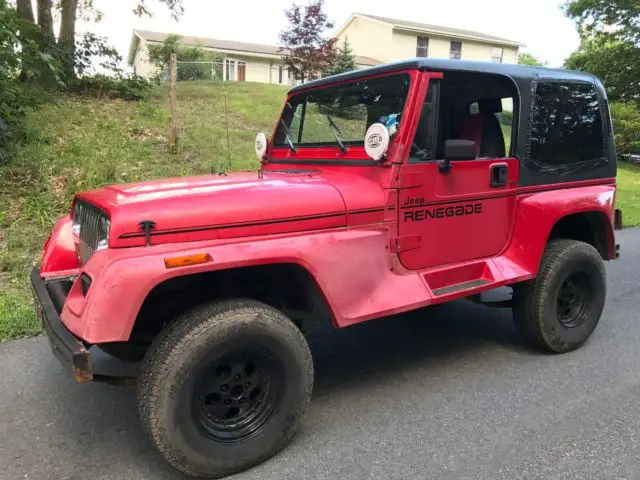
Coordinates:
426 138
477 107
567 133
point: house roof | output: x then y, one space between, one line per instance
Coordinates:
435 29
228 45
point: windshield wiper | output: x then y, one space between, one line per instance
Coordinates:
336 133
292 147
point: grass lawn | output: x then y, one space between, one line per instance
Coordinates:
628 198
77 144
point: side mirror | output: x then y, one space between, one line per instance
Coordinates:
262 145
457 150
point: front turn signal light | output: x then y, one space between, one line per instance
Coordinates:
197 259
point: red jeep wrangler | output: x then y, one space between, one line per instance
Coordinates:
381 191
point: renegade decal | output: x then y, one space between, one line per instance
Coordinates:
422 214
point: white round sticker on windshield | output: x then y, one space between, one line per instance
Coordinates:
376 141
261 145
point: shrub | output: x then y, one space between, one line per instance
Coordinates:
626 127
102 86
11 104
160 55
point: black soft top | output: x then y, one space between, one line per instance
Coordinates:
518 73
525 80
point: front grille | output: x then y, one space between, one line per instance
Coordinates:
90 219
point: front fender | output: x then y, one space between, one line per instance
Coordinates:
351 267
59 254
538 213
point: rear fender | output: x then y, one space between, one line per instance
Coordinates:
538 213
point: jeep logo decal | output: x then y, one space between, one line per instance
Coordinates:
374 140
422 214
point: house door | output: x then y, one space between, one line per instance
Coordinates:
242 71
458 214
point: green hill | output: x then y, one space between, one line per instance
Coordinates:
76 144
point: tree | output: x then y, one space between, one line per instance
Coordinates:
610 46
64 44
345 60
626 126
616 63
306 51
528 59
615 19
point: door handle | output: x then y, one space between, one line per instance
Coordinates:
498 175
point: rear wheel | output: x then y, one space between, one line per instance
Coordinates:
559 309
225 387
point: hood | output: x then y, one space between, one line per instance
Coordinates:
215 207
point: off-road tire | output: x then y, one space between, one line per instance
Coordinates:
536 303
170 373
125 351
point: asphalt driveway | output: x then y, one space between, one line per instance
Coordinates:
448 392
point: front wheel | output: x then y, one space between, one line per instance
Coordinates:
559 309
225 387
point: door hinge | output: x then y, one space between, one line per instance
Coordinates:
410 180
404 244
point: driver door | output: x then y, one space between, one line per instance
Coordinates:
456 214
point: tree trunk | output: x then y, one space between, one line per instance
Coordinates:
46 40
45 18
25 11
67 38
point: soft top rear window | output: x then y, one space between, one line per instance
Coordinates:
314 118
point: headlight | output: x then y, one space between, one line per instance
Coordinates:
103 233
77 219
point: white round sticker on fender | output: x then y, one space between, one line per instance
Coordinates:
376 141
261 145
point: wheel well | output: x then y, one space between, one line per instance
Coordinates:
287 287
588 227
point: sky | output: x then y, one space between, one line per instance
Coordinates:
541 25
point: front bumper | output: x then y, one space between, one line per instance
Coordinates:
69 350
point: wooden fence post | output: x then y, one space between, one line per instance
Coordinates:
173 129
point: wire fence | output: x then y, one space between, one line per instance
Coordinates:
227 70
234 71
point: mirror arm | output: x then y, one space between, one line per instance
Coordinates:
444 165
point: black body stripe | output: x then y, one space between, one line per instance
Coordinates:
232 225
365 210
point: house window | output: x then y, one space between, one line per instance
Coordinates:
422 47
567 134
496 55
280 72
229 70
455 51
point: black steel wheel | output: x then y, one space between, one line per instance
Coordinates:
559 310
574 300
225 387
236 394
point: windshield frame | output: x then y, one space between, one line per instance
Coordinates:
330 152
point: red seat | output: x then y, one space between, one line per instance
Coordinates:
484 129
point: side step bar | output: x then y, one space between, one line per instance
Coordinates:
460 286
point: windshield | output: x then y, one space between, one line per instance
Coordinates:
340 115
